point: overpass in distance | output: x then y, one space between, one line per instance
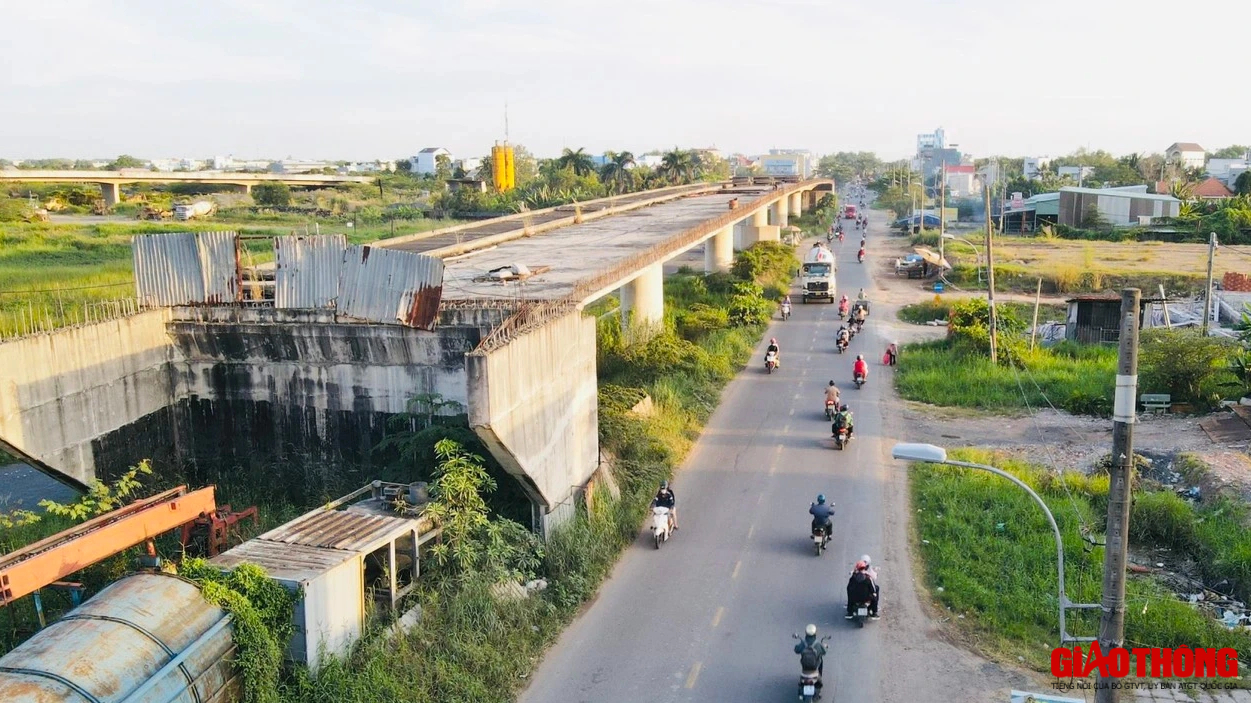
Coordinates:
110 182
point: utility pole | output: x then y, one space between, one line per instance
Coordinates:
942 220
1207 296
1112 623
990 281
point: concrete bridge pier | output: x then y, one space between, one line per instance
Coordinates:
643 302
719 251
797 203
112 193
781 212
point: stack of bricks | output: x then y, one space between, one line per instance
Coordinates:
1237 282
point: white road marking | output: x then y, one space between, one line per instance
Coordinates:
737 565
716 619
692 677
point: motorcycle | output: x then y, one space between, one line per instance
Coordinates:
860 613
771 361
841 343
829 410
661 524
841 439
842 310
860 257
840 237
820 538
786 311
858 380
809 681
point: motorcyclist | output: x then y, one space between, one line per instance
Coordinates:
773 347
843 305
860 368
822 514
861 295
666 499
842 419
810 642
832 394
843 337
862 587
860 254
786 305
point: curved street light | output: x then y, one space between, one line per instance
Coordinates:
932 454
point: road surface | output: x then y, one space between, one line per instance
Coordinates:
709 617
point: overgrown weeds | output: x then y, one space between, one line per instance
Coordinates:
988 547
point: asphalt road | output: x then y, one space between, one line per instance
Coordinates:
710 615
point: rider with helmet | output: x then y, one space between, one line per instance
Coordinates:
860 368
666 499
811 653
822 515
863 588
832 393
842 419
773 347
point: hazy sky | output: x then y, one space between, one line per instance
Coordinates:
384 78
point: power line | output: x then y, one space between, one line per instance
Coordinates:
58 290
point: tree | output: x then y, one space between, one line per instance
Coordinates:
1242 184
124 161
442 167
403 165
616 172
578 161
677 166
1234 151
272 194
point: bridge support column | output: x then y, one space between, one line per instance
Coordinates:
643 303
797 204
719 251
112 193
752 231
781 212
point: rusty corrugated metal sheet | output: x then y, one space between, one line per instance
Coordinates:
390 286
219 266
123 640
307 270
339 529
185 268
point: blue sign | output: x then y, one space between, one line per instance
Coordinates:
938 288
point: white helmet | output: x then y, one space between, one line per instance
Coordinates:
811 631
865 559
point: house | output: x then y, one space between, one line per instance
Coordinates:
425 162
782 164
1211 189
1120 207
1187 154
1077 173
297 166
1227 170
1032 165
1034 212
961 181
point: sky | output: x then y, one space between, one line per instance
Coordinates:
384 78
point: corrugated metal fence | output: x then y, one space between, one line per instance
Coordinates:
186 268
311 272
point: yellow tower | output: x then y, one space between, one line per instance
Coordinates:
502 168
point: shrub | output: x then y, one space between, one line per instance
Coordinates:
920 313
1187 365
697 321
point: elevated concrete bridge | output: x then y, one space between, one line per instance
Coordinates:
244 385
110 182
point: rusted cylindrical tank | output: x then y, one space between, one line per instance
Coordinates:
148 638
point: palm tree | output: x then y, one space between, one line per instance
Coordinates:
579 161
677 165
616 170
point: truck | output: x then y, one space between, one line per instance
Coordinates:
849 212
817 274
193 211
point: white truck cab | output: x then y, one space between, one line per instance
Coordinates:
817 274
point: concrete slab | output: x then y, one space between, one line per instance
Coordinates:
581 251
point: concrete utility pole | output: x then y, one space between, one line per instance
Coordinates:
990 281
1112 624
1207 296
942 221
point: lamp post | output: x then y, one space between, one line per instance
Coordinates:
932 454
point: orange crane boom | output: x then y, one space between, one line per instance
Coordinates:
28 569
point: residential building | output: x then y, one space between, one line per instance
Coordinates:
962 181
1077 173
1227 170
1188 154
1120 207
424 163
470 165
221 163
933 141
1211 189
785 164
299 166
1033 165
379 166
649 160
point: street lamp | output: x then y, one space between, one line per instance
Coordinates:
937 455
